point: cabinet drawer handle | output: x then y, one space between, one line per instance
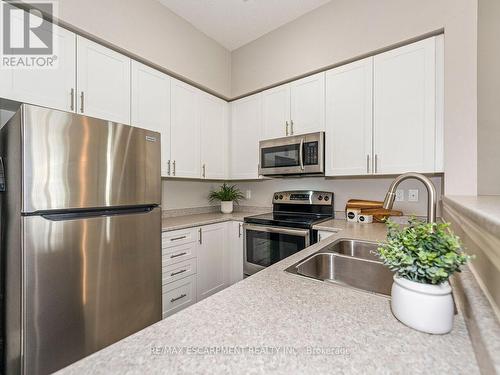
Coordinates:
201 238
82 97
177 273
177 255
178 298
177 238
72 99
239 230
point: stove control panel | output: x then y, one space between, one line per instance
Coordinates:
309 197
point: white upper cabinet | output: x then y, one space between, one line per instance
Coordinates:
213 128
48 87
349 119
103 82
213 264
405 109
150 107
294 108
307 104
185 130
276 112
244 136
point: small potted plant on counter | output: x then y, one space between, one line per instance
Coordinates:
226 194
423 257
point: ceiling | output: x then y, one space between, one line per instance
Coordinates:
234 23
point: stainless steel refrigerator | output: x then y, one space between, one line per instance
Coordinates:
81 236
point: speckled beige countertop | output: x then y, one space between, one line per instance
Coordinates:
483 209
279 323
195 220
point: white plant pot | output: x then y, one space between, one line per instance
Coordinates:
226 207
424 307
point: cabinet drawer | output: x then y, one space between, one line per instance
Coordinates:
179 253
179 295
178 271
178 237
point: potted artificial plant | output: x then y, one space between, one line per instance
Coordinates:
226 194
423 257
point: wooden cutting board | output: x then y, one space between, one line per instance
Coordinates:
374 208
361 203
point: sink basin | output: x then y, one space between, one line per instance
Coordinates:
355 248
347 262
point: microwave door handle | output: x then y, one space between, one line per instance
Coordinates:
301 154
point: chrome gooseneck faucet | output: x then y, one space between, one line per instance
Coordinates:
431 193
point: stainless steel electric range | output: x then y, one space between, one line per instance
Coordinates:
274 236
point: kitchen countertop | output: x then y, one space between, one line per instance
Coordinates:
483 209
314 327
195 220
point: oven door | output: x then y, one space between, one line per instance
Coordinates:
301 154
266 245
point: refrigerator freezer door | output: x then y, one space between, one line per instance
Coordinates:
72 161
88 282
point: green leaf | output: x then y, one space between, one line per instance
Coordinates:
423 252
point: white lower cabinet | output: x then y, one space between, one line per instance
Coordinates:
235 241
213 260
178 295
322 234
198 262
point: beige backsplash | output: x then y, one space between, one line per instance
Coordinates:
180 194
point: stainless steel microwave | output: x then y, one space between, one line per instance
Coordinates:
295 155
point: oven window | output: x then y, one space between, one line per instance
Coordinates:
280 156
264 248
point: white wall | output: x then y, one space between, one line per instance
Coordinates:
192 193
148 29
345 29
488 111
186 193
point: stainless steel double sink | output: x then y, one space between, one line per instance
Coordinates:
347 262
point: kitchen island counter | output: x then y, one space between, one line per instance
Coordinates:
276 322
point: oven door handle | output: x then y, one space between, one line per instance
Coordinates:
301 153
280 230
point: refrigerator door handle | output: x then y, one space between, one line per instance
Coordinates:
60 216
2 176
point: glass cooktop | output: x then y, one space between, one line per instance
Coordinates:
284 219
